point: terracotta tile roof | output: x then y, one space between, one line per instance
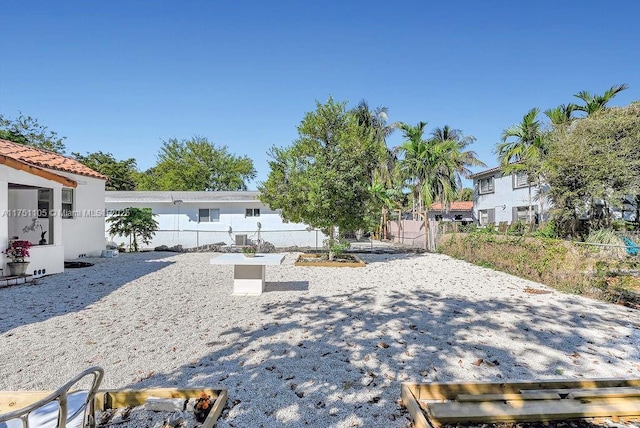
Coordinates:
455 206
45 159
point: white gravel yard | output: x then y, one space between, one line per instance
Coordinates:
323 347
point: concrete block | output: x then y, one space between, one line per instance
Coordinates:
165 404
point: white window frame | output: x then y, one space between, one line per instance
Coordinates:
489 186
522 213
252 212
520 180
68 202
209 218
483 217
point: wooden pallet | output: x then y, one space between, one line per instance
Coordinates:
436 404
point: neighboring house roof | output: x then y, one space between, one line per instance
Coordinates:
486 172
45 159
490 171
455 206
184 197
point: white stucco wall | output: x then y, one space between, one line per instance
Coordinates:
504 198
84 233
178 224
17 209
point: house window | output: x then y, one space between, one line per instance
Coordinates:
485 185
520 179
252 212
524 214
44 202
487 216
67 203
208 215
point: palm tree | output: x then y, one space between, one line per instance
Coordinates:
594 103
447 133
527 143
464 159
432 168
374 124
524 152
561 115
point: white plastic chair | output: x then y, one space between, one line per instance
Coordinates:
62 408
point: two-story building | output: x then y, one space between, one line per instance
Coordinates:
508 198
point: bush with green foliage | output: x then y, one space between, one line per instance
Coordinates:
134 223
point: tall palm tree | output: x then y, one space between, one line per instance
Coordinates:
465 159
594 103
522 148
432 168
447 133
374 124
521 143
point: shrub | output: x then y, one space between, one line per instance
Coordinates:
610 243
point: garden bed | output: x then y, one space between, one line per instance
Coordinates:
130 404
322 260
519 404
107 400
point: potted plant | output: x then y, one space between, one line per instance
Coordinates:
249 250
17 251
32 227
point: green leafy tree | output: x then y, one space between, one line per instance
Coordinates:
324 177
122 174
27 130
594 165
197 164
136 223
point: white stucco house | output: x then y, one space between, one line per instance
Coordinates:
507 198
194 219
54 202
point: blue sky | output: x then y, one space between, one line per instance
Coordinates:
120 76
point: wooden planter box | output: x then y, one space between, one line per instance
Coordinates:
115 398
326 263
435 404
107 399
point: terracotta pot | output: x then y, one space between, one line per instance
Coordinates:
17 268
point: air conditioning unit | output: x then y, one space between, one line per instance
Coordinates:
241 239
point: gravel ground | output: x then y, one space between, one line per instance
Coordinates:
324 347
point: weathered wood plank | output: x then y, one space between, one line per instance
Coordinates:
216 410
523 411
605 392
414 409
12 400
449 391
132 397
508 397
